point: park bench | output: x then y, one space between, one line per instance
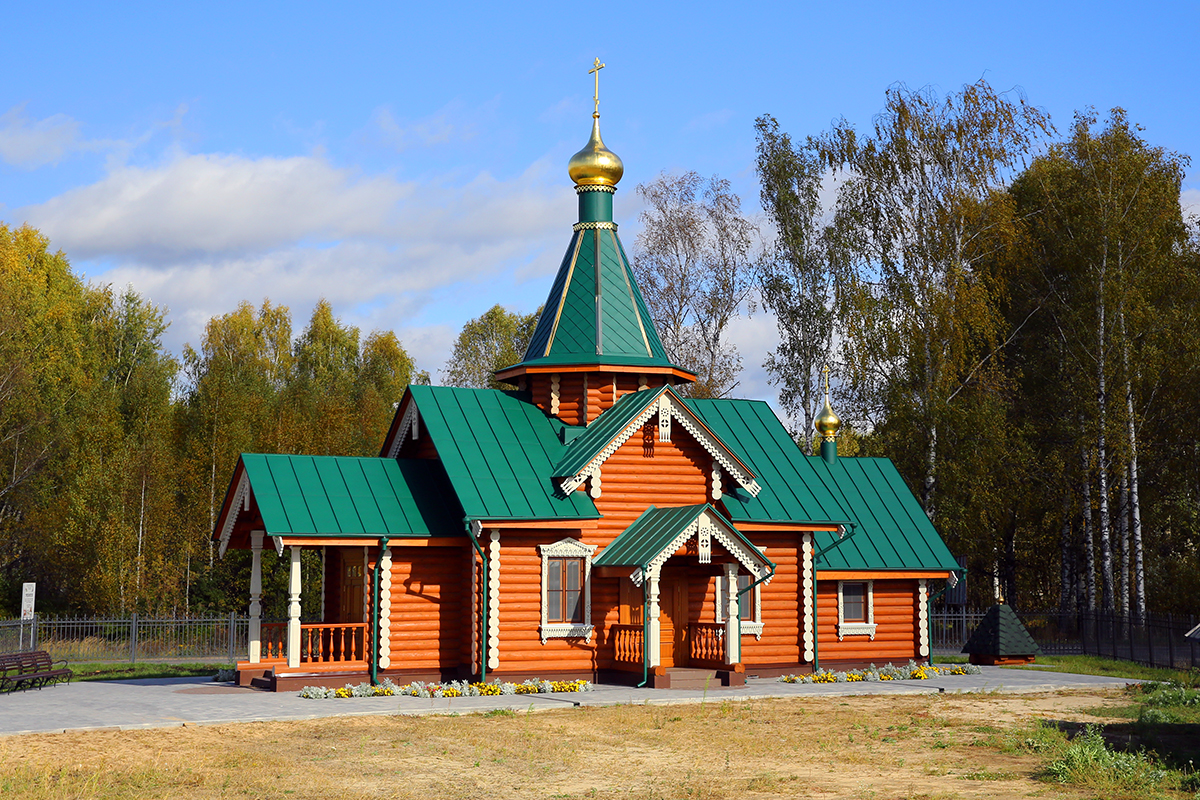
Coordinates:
34 668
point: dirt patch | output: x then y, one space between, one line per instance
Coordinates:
922 746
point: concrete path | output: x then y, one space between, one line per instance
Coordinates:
175 702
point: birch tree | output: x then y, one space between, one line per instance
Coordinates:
918 207
694 264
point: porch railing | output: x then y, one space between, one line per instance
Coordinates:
627 644
706 643
320 643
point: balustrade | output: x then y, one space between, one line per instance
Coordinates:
706 643
627 643
320 643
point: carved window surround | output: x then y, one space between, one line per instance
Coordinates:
568 548
857 628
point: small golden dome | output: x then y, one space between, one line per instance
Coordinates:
827 422
595 164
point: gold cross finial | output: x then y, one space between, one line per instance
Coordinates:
825 370
595 70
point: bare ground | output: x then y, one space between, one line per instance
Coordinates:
929 746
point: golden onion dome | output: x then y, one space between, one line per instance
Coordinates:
595 164
827 422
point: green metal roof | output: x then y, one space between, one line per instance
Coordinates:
352 497
603 430
498 452
790 490
655 530
1000 633
893 531
595 313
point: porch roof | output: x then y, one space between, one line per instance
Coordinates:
653 533
332 496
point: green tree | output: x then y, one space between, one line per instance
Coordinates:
795 274
496 339
919 205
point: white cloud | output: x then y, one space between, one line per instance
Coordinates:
1189 199
30 145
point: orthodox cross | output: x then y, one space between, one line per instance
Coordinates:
825 370
595 70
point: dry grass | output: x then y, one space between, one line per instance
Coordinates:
881 747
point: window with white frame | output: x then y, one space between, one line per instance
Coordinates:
856 609
566 590
749 603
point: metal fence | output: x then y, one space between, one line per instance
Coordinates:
129 639
1157 641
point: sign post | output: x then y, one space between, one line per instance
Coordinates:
28 590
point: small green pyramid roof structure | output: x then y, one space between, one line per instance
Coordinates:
595 314
1001 634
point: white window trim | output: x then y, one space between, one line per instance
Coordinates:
723 592
857 628
567 548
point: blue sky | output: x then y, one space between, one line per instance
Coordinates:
408 163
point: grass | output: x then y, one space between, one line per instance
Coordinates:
1098 665
101 671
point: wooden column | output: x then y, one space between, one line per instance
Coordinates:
922 618
654 632
255 633
293 625
733 639
493 642
807 576
385 608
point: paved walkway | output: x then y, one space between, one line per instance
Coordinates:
175 702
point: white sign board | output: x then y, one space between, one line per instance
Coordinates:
27 591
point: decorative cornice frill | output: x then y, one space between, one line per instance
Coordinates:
591 226
580 188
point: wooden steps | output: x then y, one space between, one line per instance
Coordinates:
686 678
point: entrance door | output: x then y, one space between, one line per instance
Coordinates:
351 606
673 602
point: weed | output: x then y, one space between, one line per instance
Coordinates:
1088 761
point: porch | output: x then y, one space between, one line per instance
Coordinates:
702 662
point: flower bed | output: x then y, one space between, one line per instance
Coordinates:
452 689
910 672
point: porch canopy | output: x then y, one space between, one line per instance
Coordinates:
657 535
659 532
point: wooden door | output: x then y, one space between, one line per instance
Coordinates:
350 608
673 619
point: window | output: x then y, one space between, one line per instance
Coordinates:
749 604
566 590
856 609
854 602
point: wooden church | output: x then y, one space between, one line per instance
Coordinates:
594 523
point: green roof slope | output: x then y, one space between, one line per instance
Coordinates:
893 532
603 430
595 315
791 491
352 497
1001 633
498 452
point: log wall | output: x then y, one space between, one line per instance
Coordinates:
782 637
895 618
430 610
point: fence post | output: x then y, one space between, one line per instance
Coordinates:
232 635
33 633
1170 642
133 633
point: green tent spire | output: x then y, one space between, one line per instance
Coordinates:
595 314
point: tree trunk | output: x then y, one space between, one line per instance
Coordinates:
1089 548
1106 561
1064 572
1135 510
1123 542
